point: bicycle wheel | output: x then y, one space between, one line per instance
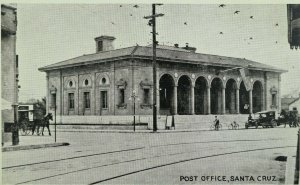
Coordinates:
212 127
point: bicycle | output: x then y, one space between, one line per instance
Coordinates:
233 126
213 126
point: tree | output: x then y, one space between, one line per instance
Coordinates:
39 108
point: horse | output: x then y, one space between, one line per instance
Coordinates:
44 122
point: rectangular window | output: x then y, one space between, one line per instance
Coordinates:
71 100
104 99
122 96
146 96
100 45
274 99
87 102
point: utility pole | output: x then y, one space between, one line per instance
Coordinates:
152 22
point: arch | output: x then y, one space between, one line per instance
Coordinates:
101 77
71 83
183 75
86 82
166 94
230 96
257 96
184 94
201 85
244 99
216 96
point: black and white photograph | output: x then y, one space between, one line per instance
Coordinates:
142 92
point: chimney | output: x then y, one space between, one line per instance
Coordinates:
104 43
176 45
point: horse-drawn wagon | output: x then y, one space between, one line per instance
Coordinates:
30 122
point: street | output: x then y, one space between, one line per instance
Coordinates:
226 156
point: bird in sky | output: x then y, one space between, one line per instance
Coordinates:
276 42
221 32
251 17
113 23
250 38
222 5
120 5
136 6
185 23
276 24
237 12
130 14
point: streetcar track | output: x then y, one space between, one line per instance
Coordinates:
150 168
228 141
118 151
111 164
76 157
182 161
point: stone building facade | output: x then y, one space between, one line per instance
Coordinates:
188 83
9 68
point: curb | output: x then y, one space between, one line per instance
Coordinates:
29 147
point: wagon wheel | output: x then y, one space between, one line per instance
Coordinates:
24 130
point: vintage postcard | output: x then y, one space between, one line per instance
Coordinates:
150 92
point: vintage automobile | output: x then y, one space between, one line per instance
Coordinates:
265 119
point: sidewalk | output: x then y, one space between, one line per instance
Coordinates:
33 142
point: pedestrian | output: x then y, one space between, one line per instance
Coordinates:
217 123
249 117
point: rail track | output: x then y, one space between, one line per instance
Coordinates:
136 159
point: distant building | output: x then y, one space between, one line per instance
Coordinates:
293 14
188 82
9 68
290 103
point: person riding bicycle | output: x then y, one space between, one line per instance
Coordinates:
217 123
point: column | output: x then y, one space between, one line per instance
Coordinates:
223 101
250 102
192 99
237 101
175 99
208 100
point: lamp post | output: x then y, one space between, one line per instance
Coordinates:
53 91
134 96
15 128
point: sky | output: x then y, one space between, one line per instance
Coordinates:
50 33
